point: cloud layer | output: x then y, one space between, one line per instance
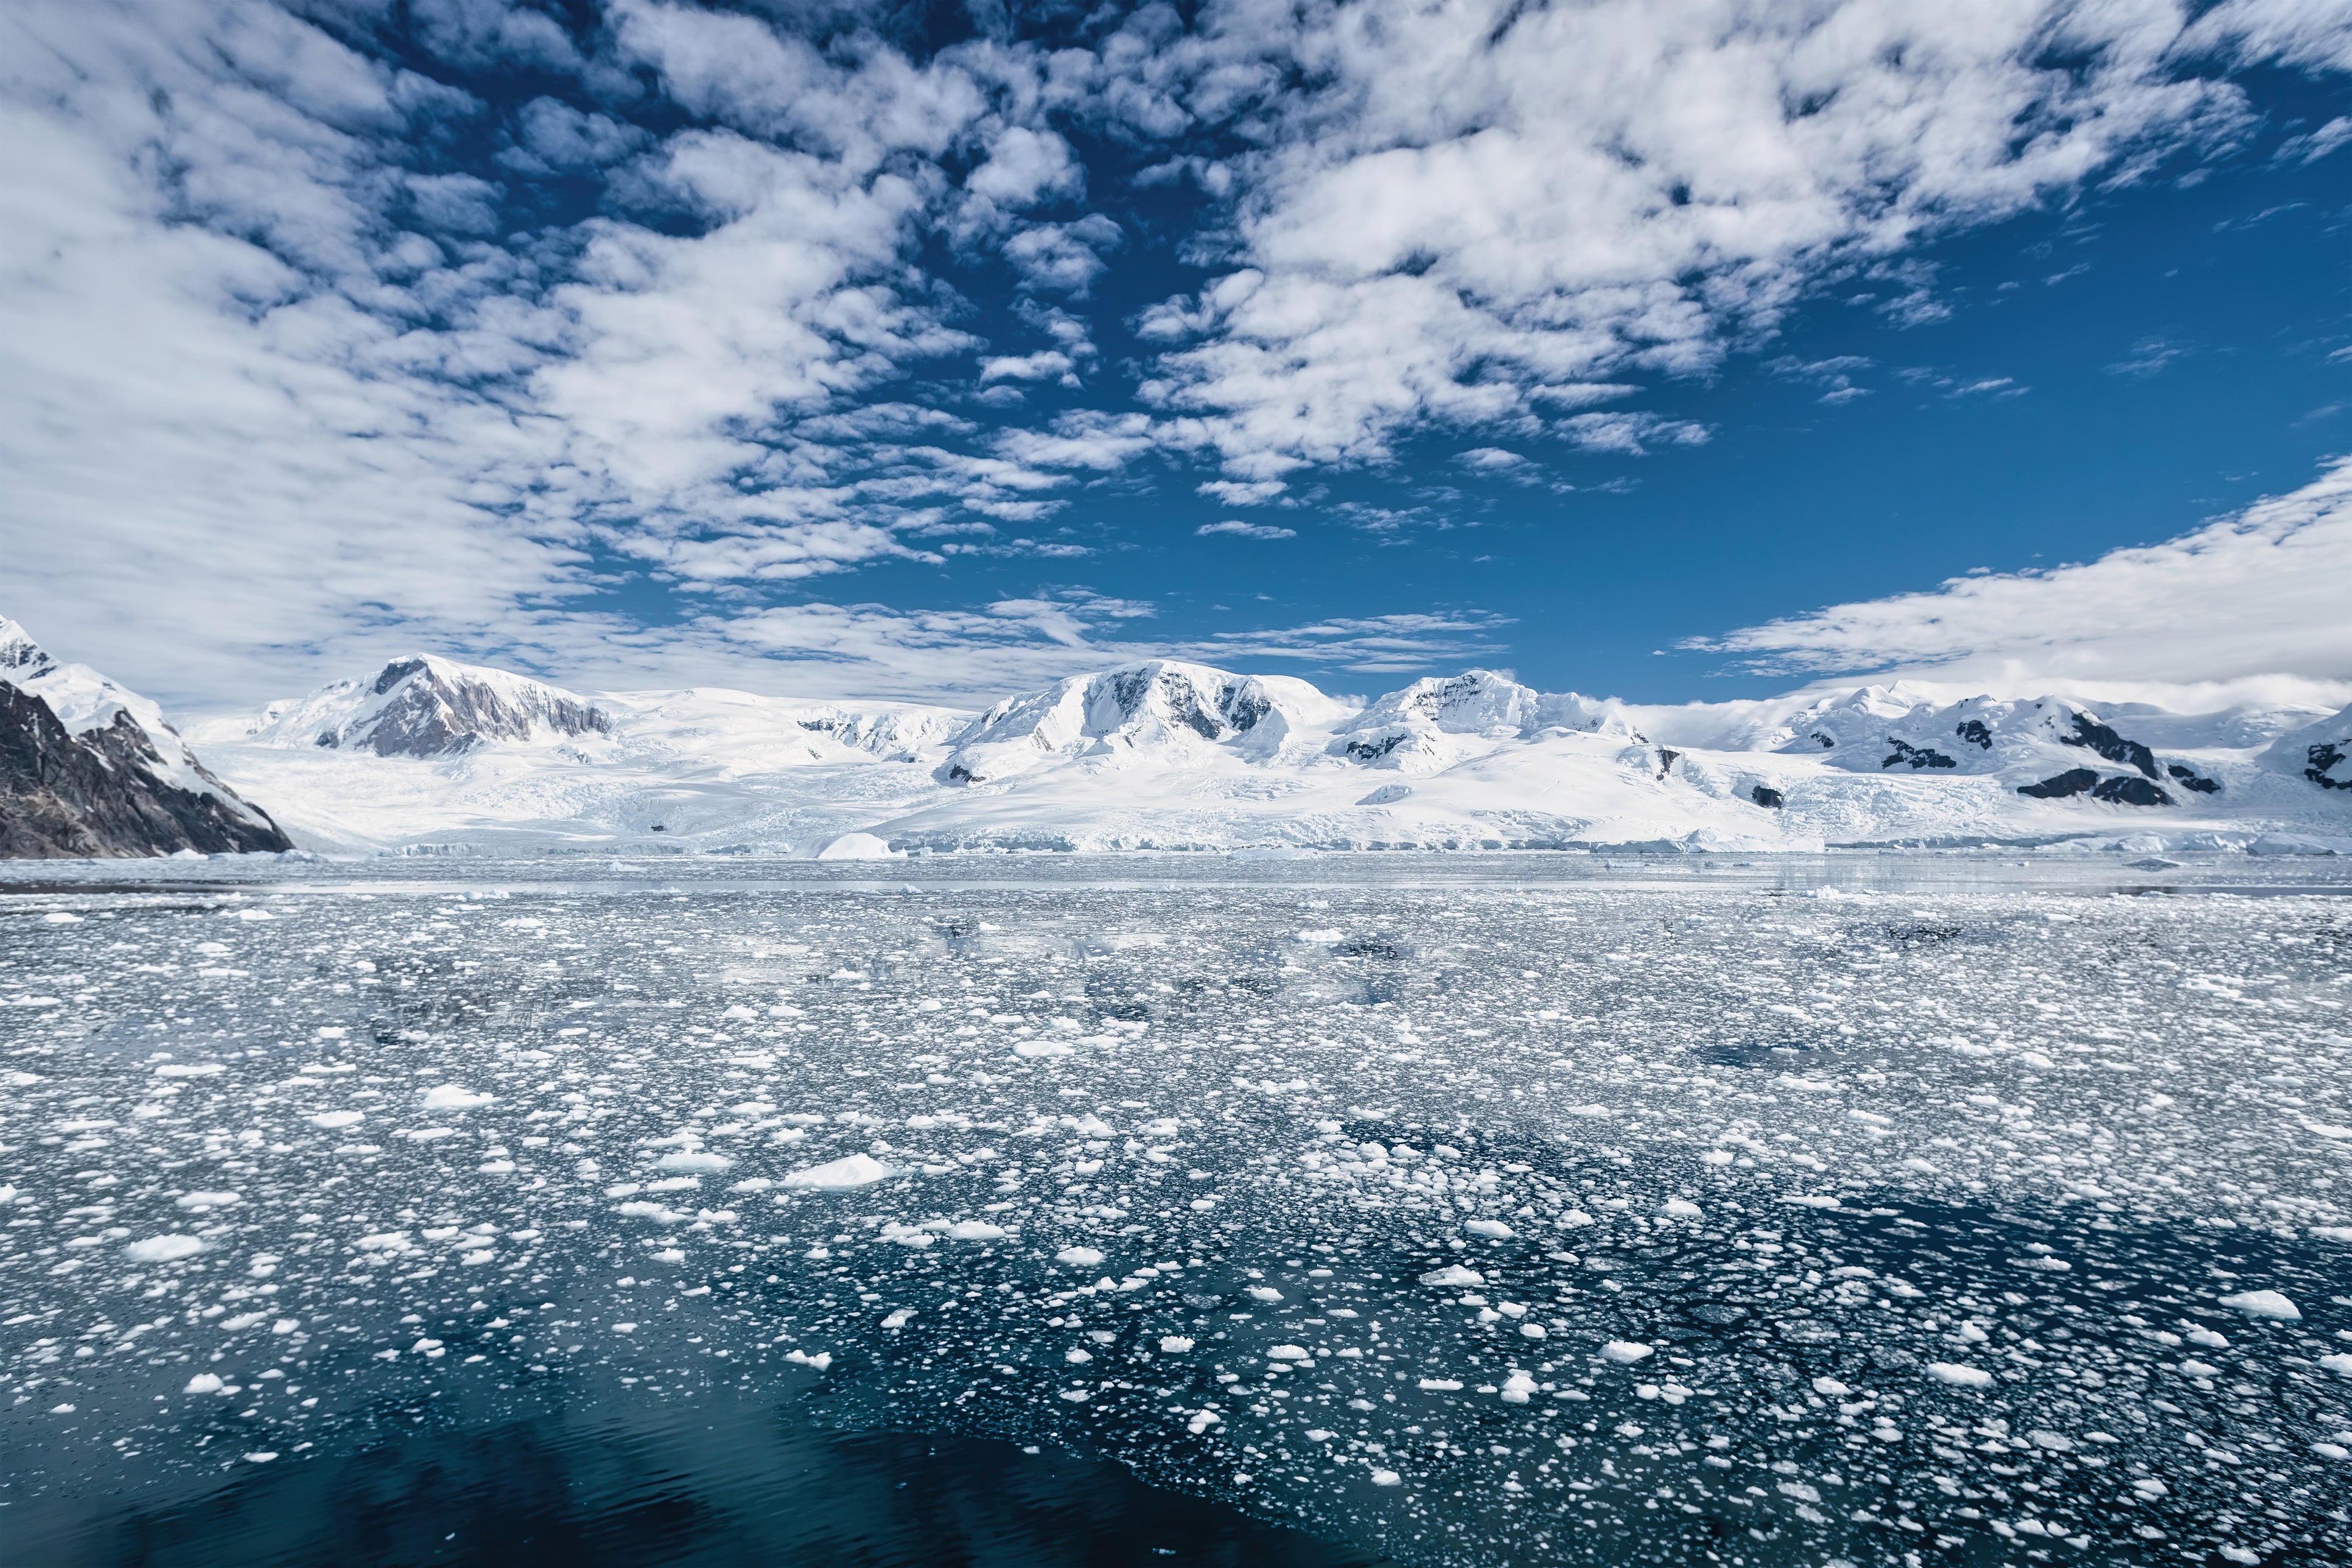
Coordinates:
2259 593
330 326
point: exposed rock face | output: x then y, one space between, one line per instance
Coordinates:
421 707
108 792
1768 797
2073 780
2103 738
2124 789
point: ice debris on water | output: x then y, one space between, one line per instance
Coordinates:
1858 1225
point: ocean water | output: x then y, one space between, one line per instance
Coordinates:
1031 1210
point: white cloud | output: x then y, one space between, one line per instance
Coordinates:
1240 530
2257 595
1477 198
1626 432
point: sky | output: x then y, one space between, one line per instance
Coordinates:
1675 349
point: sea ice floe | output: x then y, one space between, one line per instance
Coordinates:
850 1170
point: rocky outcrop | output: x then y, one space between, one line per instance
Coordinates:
423 706
107 792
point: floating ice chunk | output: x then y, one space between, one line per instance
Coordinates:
1830 1388
1960 1376
1079 1257
1289 1352
1533 1330
1322 936
187 1069
1453 1274
974 1230
1574 1219
1441 1385
1625 1352
1810 1200
2333 1232
2331 1450
451 1097
203 1382
262 1457
1174 1344
857 846
898 1320
203 1201
1493 1228
2056 1442
1386 1478
907 1235
1264 1293
751 1185
61 919
336 1121
2338 1364
851 1171
1517 1387
1683 1208
695 1159
1043 1048
2263 1304
162 1248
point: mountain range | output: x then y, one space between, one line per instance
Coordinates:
429 754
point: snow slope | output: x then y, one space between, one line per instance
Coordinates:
1170 755
88 766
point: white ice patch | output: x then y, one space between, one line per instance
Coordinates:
2263 1304
695 1159
1453 1274
162 1248
1625 1352
335 1121
1960 1376
835 1175
450 1097
1079 1257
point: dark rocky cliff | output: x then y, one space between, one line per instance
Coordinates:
103 794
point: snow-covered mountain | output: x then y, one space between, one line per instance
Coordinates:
1174 755
1158 715
90 768
2321 753
420 706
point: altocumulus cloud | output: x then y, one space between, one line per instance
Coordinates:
322 332
1240 530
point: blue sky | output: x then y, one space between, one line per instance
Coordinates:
1670 351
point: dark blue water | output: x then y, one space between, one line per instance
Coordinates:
622 1486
